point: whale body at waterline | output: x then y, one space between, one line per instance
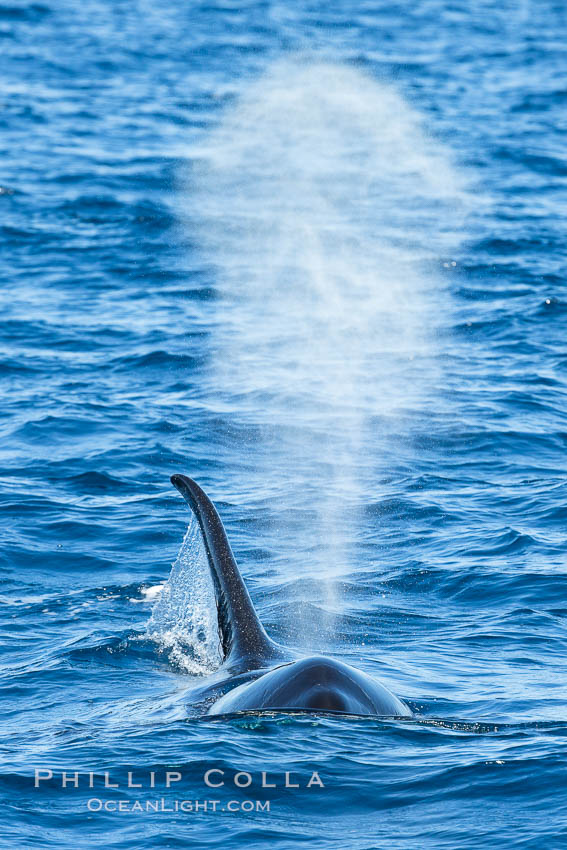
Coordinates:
283 682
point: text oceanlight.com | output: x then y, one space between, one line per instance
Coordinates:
95 804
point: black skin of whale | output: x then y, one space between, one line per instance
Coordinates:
279 680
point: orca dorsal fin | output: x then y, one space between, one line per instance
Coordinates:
245 644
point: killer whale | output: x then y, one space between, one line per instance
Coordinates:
279 680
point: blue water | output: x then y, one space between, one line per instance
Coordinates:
312 255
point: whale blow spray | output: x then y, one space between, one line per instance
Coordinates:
321 200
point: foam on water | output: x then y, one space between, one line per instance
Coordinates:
320 200
184 617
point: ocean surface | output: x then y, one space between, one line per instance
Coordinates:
313 255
